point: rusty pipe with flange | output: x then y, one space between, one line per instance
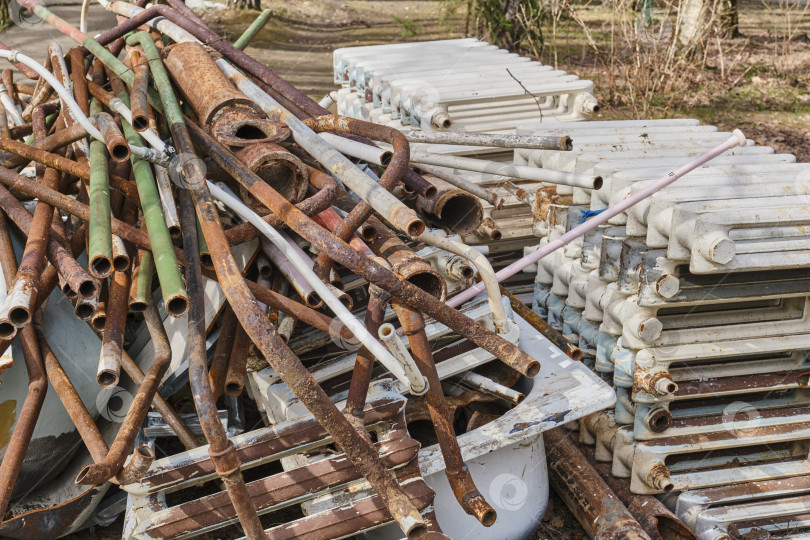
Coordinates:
360 451
222 110
468 496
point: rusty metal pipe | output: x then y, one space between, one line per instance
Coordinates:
77 77
592 502
109 467
109 362
113 138
37 386
468 496
452 208
57 140
23 295
221 450
237 364
222 353
364 363
137 96
366 268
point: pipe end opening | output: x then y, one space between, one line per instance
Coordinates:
84 311
416 227
19 316
101 267
7 330
98 323
140 123
88 289
430 192
533 369
120 152
597 182
177 306
107 379
385 158
233 389
120 263
137 306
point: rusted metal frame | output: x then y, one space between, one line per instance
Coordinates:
555 337
366 268
467 495
237 364
278 490
20 438
55 161
390 178
114 460
364 363
594 505
222 353
140 105
221 450
359 450
23 295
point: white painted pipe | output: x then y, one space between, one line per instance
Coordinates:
507 169
417 385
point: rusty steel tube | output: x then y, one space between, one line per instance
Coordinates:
109 362
596 507
139 463
59 139
137 96
237 364
23 295
364 362
366 268
221 450
222 353
20 438
113 138
77 77
111 465
468 496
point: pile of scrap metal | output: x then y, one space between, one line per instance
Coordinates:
690 298
174 209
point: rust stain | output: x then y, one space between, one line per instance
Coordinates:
8 415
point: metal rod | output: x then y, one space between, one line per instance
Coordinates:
254 28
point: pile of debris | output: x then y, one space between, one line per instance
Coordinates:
182 213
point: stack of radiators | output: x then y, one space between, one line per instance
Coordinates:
695 305
457 84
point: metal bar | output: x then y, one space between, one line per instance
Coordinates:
254 28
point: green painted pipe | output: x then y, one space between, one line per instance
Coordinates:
99 241
170 107
253 29
141 291
172 286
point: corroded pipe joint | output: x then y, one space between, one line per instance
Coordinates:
226 461
141 460
280 169
452 208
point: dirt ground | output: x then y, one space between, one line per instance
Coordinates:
757 82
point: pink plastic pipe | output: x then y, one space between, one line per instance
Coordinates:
737 139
